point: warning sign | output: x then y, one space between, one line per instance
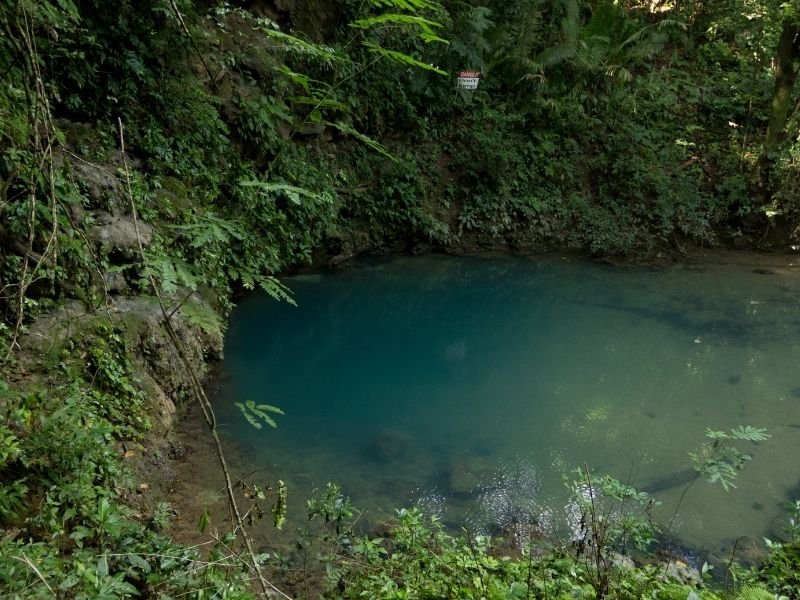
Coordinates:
468 80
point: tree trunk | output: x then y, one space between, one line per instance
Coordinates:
785 76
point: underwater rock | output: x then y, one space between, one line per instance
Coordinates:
678 478
744 550
456 351
509 499
388 446
683 572
734 379
468 474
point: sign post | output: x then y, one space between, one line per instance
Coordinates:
468 80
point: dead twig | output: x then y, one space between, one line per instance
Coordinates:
24 559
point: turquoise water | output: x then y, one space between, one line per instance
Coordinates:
470 386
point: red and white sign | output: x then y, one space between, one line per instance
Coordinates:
468 80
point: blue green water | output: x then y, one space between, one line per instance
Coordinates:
470 386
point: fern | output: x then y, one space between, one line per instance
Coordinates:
749 433
409 5
469 55
478 17
210 229
300 47
365 139
203 317
425 25
274 288
321 101
304 81
255 413
170 273
557 54
401 57
291 192
754 592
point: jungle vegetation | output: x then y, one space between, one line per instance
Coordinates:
192 149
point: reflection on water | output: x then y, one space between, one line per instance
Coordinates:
473 387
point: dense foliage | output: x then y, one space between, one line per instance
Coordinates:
200 147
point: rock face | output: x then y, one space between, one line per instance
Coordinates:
343 247
118 233
158 369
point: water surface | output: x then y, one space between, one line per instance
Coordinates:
473 386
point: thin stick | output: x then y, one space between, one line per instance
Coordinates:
267 587
29 563
188 34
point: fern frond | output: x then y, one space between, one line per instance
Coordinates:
750 433
364 139
304 81
754 592
296 45
203 317
210 229
170 273
425 25
557 54
291 192
619 72
255 413
320 102
275 288
409 5
478 18
401 57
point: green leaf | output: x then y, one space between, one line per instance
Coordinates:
205 520
139 563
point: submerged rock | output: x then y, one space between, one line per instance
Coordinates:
745 551
388 446
683 572
468 474
678 562
678 478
